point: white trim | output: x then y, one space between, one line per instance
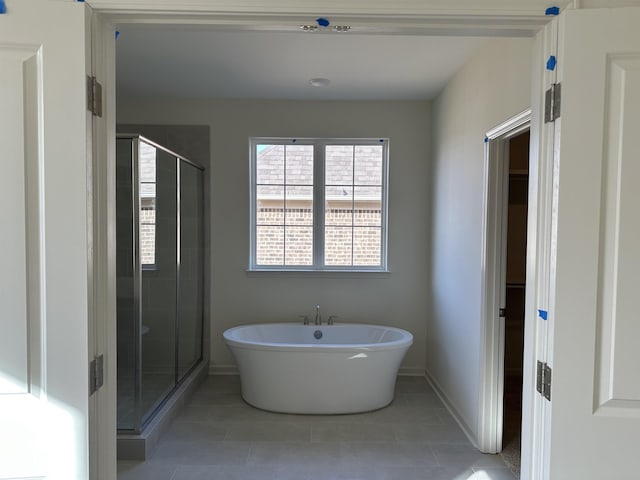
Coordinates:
512 127
102 191
354 273
411 372
536 421
496 168
418 17
530 9
319 203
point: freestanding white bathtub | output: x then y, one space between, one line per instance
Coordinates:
310 369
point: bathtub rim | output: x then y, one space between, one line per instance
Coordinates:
405 342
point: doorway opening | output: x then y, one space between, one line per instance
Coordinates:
504 281
494 407
515 290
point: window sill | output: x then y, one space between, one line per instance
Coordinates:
378 274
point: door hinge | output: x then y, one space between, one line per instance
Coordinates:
552 102
543 380
96 374
94 96
502 312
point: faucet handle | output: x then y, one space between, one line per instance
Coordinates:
330 320
305 318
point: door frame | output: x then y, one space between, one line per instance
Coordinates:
102 190
425 20
494 254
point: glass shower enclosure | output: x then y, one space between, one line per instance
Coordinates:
159 235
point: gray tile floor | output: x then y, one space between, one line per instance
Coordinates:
220 437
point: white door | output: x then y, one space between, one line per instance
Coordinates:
43 230
594 312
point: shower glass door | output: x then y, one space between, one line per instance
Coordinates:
158 252
159 230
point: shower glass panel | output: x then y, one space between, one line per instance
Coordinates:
159 226
125 285
158 251
191 269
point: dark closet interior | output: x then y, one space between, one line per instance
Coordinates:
515 296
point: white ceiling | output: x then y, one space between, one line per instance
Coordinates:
182 62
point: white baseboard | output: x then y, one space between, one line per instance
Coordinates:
223 369
452 410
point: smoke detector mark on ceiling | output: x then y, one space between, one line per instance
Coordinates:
324 24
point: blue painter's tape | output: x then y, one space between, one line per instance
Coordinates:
551 63
3 7
294 140
117 34
552 11
486 139
81 1
543 314
323 22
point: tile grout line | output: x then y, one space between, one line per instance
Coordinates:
249 454
175 472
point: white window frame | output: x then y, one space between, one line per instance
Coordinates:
319 204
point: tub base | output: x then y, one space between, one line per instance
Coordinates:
314 383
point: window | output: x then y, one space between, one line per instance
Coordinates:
318 204
147 178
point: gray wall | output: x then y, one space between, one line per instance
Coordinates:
398 299
494 86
